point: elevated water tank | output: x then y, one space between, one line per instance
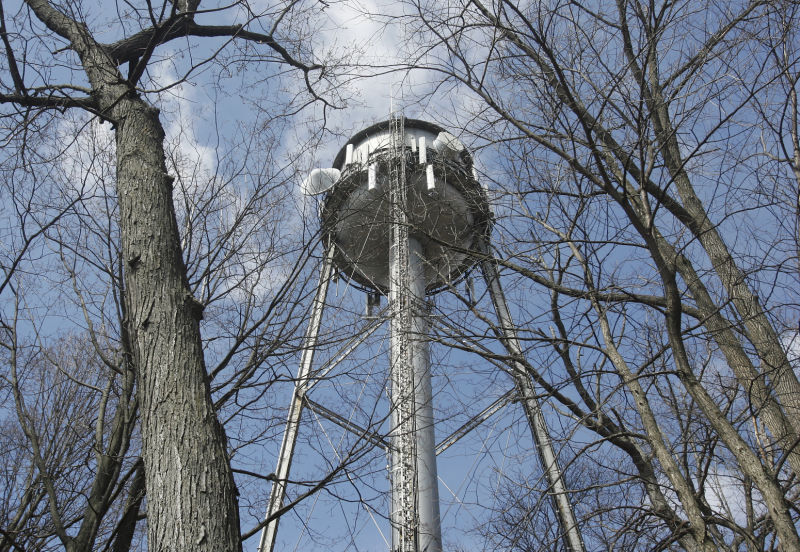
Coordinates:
448 210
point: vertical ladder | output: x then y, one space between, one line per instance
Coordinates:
403 470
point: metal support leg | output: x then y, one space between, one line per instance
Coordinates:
278 494
541 435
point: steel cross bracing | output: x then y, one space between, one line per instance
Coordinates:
414 516
345 423
524 393
476 420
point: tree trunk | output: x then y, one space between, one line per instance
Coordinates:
191 496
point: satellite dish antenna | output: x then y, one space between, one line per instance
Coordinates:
319 181
447 144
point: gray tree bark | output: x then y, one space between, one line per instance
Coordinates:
191 495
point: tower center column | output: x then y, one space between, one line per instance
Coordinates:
415 492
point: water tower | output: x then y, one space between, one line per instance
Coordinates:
403 216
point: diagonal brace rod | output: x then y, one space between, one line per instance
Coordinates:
344 423
475 421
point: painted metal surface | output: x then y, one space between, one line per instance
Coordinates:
401 221
541 435
415 487
278 494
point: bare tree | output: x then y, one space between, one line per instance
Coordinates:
628 137
140 272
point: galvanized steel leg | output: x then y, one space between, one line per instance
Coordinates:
278 494
541 436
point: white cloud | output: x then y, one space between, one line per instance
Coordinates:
791 342
725 493
85 153
183 108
